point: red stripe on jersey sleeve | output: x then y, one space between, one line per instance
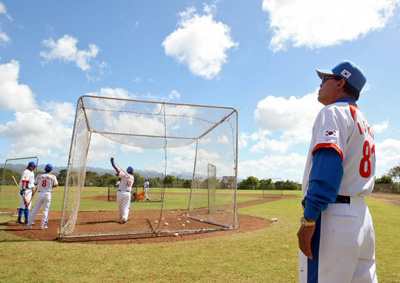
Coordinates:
353 111
328 145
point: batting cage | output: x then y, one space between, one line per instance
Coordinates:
10 177
181 157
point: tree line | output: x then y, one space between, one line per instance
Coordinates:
386 183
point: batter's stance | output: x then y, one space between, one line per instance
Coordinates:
124 191
336 237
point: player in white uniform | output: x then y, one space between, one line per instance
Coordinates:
146 187
45 183
124 191
27 184
336 238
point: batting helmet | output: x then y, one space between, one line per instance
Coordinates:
48 167
32 163
146 179
129 170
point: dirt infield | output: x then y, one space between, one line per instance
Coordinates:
388 198
247 224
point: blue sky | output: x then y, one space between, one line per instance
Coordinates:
257 56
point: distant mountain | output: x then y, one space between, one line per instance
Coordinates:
100 171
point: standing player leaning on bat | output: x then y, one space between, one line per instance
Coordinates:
45 183
124 191
27 183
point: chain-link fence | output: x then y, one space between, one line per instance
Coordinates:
169 144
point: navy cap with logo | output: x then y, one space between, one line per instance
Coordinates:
349 71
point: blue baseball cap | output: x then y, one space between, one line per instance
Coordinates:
32 163
48 167
349 71
129 170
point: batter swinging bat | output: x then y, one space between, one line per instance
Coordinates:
23 196
116 165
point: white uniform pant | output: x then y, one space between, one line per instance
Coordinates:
124 205
43 199
28 196
343 246
146 193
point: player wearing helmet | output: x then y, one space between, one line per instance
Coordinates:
124 191
45 183
27 183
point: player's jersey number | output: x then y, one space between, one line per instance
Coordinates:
365 164
44 183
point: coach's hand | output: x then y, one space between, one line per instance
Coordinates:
305 235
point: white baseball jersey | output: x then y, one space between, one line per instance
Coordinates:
343 127
343 243
45 182
27 176
126 183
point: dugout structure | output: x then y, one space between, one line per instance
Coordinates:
168 143
9 191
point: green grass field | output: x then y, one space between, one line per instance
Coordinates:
267 255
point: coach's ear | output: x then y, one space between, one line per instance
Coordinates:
341 83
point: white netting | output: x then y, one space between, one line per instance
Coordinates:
170 144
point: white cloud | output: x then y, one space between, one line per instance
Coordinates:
114 92
279 113
37 133
388 154
223 139
287 167
200 42
100 148
138 80
65 50
243 139
294 117
128 149
62 111
4 38
33 131
380 127
14 96
173 94
321 23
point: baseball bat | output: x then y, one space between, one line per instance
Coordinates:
32 197
23 196
119 167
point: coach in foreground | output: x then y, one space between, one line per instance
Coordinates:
336 237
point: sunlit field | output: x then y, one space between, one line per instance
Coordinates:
266 255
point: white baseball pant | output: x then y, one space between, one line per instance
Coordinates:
28 196
124 204
43 199
343 246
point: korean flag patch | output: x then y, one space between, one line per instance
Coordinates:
331 133
346 73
